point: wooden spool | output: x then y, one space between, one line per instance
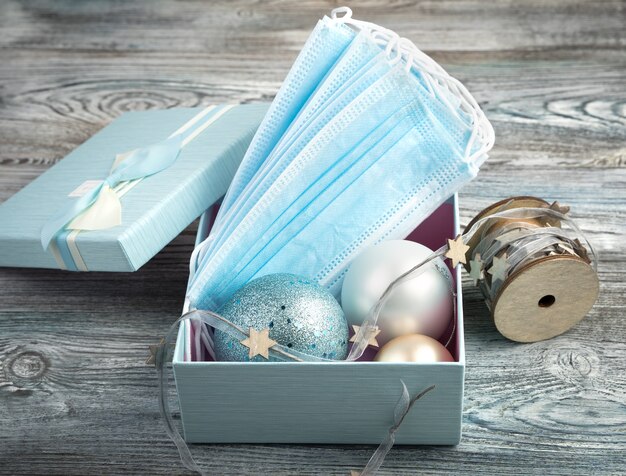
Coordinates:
545 297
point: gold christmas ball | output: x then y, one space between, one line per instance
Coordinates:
414 348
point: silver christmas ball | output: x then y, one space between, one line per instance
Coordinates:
422 305
299 314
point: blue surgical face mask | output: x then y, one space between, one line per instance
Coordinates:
372 152
372 77
359 65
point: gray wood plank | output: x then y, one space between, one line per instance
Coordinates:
75 396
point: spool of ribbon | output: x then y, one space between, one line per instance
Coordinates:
100 208
531 263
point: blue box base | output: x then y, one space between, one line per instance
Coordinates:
323 403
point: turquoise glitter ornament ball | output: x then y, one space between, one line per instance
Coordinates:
299 314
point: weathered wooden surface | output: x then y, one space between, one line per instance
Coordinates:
75 396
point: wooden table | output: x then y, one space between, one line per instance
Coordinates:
75 395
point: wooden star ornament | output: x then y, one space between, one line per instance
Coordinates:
457 251
498 269
154 348
557 207
372 340
259 342
582 251
476 269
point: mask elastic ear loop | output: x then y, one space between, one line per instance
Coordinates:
392 46
358 24
197 255
347 14
409 53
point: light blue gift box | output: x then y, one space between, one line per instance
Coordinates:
155 209
339 403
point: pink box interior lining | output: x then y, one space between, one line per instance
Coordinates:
432 232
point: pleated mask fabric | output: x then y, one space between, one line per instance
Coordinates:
364 155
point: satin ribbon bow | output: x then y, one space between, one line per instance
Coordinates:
100 208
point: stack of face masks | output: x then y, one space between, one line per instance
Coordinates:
366 137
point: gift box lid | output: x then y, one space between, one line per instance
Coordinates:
196 152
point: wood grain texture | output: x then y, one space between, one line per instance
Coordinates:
75 397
